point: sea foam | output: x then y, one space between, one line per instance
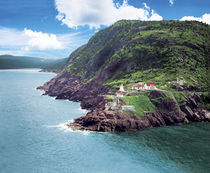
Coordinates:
65 128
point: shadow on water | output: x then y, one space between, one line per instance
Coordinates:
176 148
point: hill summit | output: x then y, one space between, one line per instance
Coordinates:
134 51
172 56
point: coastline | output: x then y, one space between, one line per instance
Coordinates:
45 120
49 71
67 86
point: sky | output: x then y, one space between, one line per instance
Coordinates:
55 28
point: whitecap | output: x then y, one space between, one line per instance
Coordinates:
83 110
65 128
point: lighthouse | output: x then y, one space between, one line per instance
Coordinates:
122 88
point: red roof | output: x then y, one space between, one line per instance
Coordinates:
148 84
137 85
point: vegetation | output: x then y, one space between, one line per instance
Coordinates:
12 62
206 100
157 51
109 97
180 96
132 51
140 102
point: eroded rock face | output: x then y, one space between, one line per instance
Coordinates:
168 113
61 84
164 102
71 87
110 121
67 86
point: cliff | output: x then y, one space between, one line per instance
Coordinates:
168 113
173 54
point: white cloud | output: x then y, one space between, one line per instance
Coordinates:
32 43
42 41
155 16
95 13
205 18
171 2
28 39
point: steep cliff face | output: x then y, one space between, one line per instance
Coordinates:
168 113
67 86
173 54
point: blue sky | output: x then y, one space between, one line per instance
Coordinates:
55 28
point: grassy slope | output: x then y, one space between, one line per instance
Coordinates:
140 102
167 51
152 51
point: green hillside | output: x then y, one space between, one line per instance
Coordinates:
132 51
12 62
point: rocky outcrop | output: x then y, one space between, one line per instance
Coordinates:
71 87
110 121
193 111
129 49
168 113
67 86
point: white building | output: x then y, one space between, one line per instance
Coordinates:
137 87
150 86
128 108
120 94
122 88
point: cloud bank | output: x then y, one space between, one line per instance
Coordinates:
33 43
28 38
40 40
94 13
205 18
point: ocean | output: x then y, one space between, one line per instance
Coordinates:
34 137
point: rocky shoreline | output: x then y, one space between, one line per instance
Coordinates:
168 112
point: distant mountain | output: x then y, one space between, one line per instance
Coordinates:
13 62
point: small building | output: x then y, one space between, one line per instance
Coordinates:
112 106
121 88
137 87
150 86
120 94
128 108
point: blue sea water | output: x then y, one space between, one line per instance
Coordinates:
34 138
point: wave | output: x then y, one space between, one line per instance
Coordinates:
83 110
63 127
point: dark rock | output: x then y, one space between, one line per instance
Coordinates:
164 102
67 86
120 122
71 87
186 109
207 116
